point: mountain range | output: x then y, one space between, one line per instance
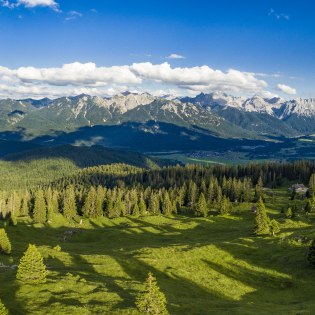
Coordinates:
192 119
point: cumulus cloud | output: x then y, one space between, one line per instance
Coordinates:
175 56
286 89
92 79
31 4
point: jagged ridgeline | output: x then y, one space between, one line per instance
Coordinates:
215 114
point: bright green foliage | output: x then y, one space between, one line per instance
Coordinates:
201 206
89 208
154 204
136 210
310 205
3 309
152 300
5 245
166 204
40 209
69 203
259 189
25 204
261 219
226 206
311 254
32 269
289 213
142 207
274 227
99 206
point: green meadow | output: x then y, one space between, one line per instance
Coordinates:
212 265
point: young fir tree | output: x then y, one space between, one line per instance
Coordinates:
226 206
142 206
89 207
135 210
5 245
310 205
40 209
152 301
261 219
69 203
154 204
289 213
311 254
3 309
166 204
274 227
32 269
99 206
201 206
259 189
25 204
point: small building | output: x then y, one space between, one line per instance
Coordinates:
298 189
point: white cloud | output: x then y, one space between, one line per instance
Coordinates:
286 89
31 4
77 77
72 15
175 56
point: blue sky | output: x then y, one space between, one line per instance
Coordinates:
270 46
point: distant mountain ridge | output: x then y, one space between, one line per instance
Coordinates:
220 114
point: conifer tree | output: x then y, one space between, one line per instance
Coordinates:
32 269
25 204
311 254
154 204
261 219
40 209
166 204
99 204
136 210
289 213
201 206
142 206
3 309
259 189
152 301
89 207
69 203
226 206
274 227
5 245
310 205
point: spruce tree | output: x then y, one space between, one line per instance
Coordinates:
166 204
152 301
261 219
226 206
201 206
3 309
5 245
274 227
311 254
25 205
311 191
69 203
40 209
142 207
32 269
89 207
289 213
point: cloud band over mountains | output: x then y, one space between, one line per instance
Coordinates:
88 78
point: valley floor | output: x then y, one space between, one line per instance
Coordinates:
208 265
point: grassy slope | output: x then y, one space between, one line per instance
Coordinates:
204 266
